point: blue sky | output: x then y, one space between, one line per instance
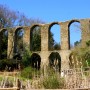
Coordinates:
51 10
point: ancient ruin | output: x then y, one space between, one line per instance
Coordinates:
44 53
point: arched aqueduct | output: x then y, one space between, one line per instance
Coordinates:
44 53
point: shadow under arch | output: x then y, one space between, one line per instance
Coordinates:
55 61
35 61
3 43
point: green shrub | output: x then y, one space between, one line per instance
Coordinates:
80 56
27 72
6 63
1 78
53 82
26 58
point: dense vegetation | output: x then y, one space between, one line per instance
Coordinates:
10 19
80 56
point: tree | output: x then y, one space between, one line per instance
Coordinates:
36 39
3 43
10 18
77 43
57 46
51 41
7 17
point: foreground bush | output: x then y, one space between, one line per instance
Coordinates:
26 61
80 57
29 72
8 64
53 82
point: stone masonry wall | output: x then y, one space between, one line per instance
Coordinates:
65 40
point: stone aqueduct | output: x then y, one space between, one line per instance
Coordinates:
44 53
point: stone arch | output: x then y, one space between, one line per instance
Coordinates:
55 45
3 43
72 33
35 33
36 61
55 61
18 40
